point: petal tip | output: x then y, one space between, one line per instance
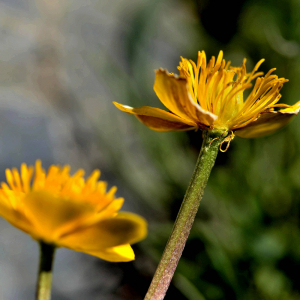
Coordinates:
294 109
162 71
123 107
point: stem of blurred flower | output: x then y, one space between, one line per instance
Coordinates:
43 291
212 140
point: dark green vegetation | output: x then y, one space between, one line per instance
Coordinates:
245 243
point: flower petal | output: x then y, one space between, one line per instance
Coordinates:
52 216
268 122
14 217
125 228
121 253
158 119
173 92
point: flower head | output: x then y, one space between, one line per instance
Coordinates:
210 96
67 211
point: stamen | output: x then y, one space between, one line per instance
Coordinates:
219 59
227 140
217 138
227 65
255 69
218 88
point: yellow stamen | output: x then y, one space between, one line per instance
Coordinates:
218 88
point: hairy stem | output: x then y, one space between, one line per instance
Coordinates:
186 215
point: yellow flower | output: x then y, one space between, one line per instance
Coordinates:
68 211
211 96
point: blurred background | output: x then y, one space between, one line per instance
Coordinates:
62 64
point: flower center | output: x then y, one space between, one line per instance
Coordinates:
218 88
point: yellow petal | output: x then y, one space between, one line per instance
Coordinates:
110 210
294 109
53 216
121 253
268 122
125 228
158 119
14 217
174 93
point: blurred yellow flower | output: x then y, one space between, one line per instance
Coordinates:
68 211
210 96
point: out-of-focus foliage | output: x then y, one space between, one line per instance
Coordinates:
64 62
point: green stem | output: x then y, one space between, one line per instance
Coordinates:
43 291
186 215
